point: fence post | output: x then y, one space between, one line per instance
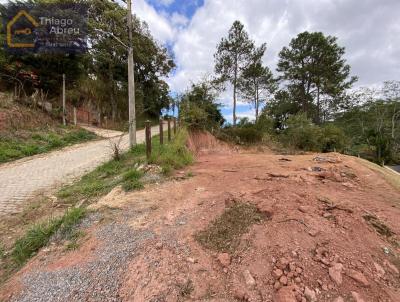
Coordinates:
161 131
174 125
75 120
169 129
148 139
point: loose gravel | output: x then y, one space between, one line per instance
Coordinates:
98 280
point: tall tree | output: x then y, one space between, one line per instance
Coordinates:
316 73
231 58
257 82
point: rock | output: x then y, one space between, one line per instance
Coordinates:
277 273
357 297
359 277
379 270
335 272
310 295
391 267
191 260
159 245
313 233
266 209
248 278
224 259
303 209
283 263
283 280
338 299
292 267
285 294
277 285
299 270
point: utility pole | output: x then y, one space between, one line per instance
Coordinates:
63 102
131 81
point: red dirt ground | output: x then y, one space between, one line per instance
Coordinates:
316 245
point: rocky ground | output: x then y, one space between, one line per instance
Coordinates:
328 232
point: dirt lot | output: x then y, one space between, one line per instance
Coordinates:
325 229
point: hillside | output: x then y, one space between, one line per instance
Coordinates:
26 131
238 225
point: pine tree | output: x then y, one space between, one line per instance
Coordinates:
257 82
231 58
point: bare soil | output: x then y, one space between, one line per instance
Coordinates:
329 233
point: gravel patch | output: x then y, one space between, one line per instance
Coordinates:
98 280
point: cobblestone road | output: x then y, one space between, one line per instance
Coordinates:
23 179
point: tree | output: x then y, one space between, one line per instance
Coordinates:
198 107
257 82
231 58
316 73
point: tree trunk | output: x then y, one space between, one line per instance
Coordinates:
318 107
112 96
234 91
257 101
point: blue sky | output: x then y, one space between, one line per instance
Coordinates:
368 29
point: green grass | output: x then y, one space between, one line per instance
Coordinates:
173 155
39 235
27 143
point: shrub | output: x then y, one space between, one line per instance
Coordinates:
332 138
302 134
245 135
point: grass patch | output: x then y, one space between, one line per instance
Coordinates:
173 155
39 235
27 143
186 289
391 176
224 233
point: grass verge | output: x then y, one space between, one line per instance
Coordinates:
39 235
173 155
27 143
223 234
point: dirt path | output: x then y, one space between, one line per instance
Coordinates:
23 179
328 234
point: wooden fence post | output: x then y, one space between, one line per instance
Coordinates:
148 139
75 120
169 129
174 125
161 131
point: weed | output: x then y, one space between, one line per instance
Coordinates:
379 226
2 251
39 235
224 232
186 288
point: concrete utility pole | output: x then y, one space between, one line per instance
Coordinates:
63 101
131 81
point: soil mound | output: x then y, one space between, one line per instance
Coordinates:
203 142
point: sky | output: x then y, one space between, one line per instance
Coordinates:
191 29
368 29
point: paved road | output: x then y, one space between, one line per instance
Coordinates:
396 168
25 178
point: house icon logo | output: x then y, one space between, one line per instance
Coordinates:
20 30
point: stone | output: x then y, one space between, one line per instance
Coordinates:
379 270
266 209
277 285
303 209
359 277
313 233
248 278
391 267
283 280
292 266
299 270
159 245
335 272
191 260
224 259
310 295
277 273
357 297
285 294
283 263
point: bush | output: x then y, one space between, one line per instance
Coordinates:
332 138
302 134
245 135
